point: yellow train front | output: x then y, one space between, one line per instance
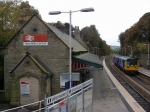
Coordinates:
127 64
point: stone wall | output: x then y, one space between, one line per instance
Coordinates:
55 55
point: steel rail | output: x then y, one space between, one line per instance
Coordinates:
140 89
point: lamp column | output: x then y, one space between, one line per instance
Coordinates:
70 52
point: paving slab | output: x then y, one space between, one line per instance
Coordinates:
105 95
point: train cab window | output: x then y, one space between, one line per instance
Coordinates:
132 63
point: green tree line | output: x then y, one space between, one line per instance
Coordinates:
91 36
137 36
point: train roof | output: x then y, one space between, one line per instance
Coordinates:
124 57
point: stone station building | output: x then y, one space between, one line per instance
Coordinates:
36 56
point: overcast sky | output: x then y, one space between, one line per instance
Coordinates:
111 17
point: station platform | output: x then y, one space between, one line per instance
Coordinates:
109 95
144 71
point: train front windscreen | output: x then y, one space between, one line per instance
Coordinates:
132 62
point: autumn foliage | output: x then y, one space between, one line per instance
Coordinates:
137 36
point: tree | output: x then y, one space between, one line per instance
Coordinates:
91 36
141 47
11 13
64 27
122 39
137 33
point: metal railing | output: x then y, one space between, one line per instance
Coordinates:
24 107
75 99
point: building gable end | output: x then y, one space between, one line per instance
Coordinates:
34 60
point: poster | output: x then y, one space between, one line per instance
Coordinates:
63 106
24 88
65 77
72 103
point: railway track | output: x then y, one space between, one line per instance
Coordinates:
138 86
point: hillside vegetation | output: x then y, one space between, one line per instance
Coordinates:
137 36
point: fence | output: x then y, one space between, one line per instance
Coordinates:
75 99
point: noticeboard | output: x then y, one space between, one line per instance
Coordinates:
24 88
65 77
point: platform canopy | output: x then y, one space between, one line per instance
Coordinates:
89 59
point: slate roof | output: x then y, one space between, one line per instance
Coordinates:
77 47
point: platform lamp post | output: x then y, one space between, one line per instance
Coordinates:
125 50
98 53
147 56
131 50
70 51
95 50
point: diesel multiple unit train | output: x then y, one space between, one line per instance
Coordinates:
127 64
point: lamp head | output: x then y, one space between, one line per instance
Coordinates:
87 10
54 12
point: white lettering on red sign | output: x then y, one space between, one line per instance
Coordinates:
29 38
35 39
